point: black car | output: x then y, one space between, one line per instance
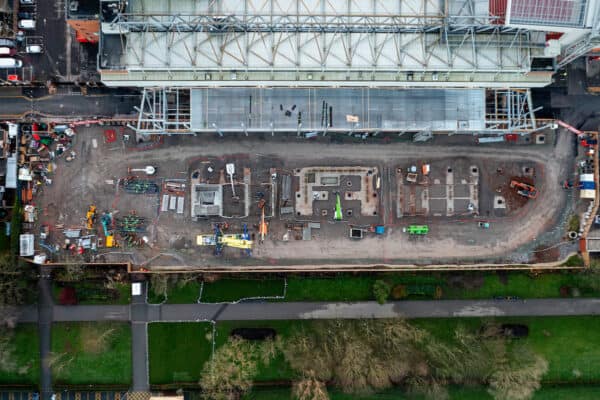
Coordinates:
26 15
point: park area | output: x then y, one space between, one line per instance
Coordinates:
24 341
570 345
91 354
349 287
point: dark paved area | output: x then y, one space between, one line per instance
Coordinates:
139 342
324 310
74 105
45 331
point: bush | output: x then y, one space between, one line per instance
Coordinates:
67 296
399 292
381 291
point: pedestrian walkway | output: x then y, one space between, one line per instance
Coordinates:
139 342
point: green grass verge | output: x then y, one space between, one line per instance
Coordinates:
109 365
27 357
184 294
347 287
236 289
571 345
456 393
94 293
178 351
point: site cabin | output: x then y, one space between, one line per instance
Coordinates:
416 229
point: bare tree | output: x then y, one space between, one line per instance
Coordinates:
70 273
518 375
232 369
309 388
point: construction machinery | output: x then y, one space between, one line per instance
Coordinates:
90 217
263 228
524 189
106 221
337 215
148 170
219 240
416 229
230 168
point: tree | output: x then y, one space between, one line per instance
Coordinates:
232 369
70 273
14 282
310 388
518 374
381 291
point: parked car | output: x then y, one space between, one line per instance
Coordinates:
7 51
26 15
7 43
9 62
33 49
25 2
27 24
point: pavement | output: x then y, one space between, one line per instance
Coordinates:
14 105
45 314
139 313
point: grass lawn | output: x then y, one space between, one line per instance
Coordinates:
456 393
236 289
92 353
571 345
184 294
178 351
359 287
93 293
347 287
27 357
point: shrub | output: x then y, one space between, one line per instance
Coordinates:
67 296
399 292
381 291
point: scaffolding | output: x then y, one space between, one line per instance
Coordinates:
352 111
270 40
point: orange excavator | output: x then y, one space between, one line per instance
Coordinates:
524 189
262 227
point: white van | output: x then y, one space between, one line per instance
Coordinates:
32 49
10 62
27 24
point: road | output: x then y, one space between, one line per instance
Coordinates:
13 105
256 311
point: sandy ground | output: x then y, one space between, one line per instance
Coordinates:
81 183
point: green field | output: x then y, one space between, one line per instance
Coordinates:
184 294
178 351
83 358
570 344
236 289
347 287
27 357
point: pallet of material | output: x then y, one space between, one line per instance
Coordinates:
180 201
172 203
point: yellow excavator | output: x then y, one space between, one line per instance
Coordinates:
90 217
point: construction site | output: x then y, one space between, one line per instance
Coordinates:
212 202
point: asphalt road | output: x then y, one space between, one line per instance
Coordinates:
320 310
71 105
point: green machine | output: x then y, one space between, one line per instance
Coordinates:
416 229
338 208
